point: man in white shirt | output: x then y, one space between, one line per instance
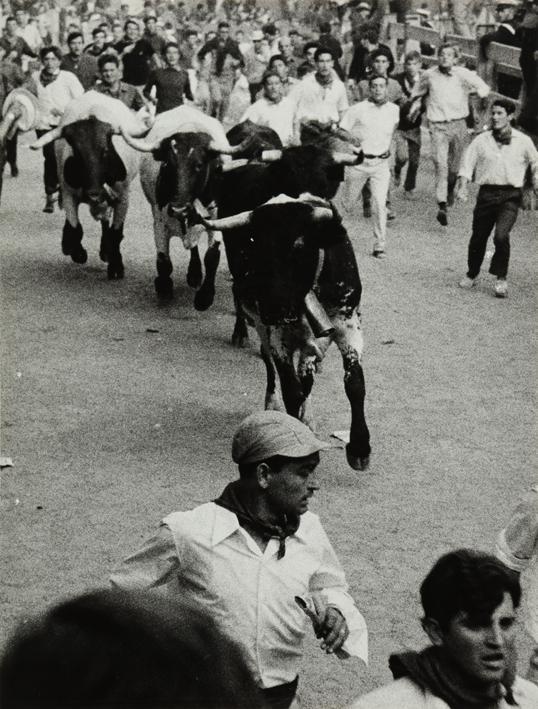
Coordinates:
470 600
447 88
28 31
373 123
320 96
257 560
273 110
497 160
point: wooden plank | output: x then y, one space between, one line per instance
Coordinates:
468 47
504 54
396 30
424 34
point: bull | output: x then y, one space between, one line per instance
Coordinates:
95 166
279 254
180 168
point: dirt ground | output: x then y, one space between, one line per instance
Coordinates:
111 426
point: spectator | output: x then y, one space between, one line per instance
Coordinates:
273 110
359 17
83 66
272 35
505 33
327 40
171 82
278 64
28 31
261 516
297 43
361 62
189 48
285 49
224 53
108 649
112 85
379 65
497 160
309 64
256 61
470 601
136 55
15 46
447 88
99 44
152 36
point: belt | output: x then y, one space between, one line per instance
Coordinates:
383 156
450 120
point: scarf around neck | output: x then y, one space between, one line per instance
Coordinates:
234 499
45 78
502 135
431 670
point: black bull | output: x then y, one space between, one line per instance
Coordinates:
276 259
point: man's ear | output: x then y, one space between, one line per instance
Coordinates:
433 630
263 475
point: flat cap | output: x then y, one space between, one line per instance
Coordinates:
507 3
267 433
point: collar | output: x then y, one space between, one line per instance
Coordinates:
226 523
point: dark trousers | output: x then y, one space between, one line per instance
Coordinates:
50 173
408 145
11 151
496 206
281 696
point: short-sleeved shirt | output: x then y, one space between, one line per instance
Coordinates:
127 94
315 102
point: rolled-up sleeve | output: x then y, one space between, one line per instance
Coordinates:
475 83
154 565
330 582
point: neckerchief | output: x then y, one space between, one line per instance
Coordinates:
445 70
324 82
378 103
502 135
45 78
432 670
234 499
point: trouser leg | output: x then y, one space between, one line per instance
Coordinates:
458 133
11 151
440 143
402 154
506 218
379 183
484 216
413 147
50 171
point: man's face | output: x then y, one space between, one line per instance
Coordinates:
481 647
310 54
224 33
117 33
20 17
447 58
172 56
324 64
289 491
192 39
11 28
151 25
131 32
381 65
272 88
110 73
281 69
412 67
295 40
285 47
378 90
257 45
76 46
99 40
51 63
504 13
499 118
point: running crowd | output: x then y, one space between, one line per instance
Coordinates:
241 575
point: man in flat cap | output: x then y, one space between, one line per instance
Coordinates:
258 559
506 33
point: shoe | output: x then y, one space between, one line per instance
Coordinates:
367 211
442 217
49 204
14 171
379 253
390 215
466 283
501 288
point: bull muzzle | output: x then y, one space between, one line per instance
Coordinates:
181 214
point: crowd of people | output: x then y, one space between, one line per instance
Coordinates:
252 565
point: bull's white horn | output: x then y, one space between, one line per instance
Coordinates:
320 214
144 146
344 158
224 223
271 155
49 137
230 149
233 164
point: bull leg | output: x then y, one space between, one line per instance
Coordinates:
273 400
290 384
164 285
115 267
72 232
240 333
204 297
309 364
348 337
194 271
103 247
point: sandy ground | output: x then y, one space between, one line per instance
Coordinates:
110 426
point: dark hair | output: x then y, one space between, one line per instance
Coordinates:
322 50
130 21
74 35
269 29
375 76
370 34
469 581
505 103
190 32
293 31
276 463
448 45
412 56
324 27
98 30
310 45
267 74
149 17
47 50
11 18
111 648
277 57
107 58
223 24
170 44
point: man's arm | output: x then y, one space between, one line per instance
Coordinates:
152 566
466 171
342 103
474 82
188 89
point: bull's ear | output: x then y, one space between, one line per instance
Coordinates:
73 172
115 169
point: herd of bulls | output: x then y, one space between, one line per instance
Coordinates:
295 275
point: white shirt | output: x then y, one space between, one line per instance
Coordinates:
493 164
207 558
448 94
30 34
372 124
54 97
278 116
315 102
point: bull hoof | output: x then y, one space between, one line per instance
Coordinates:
204 298
356 462
79 254
194 278
240 340
164 287
115 271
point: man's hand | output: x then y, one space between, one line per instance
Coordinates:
460 192
330 625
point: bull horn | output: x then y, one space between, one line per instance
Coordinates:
237 220
271 155
144 146
233 164
231 149
320 214
49 137
344 158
